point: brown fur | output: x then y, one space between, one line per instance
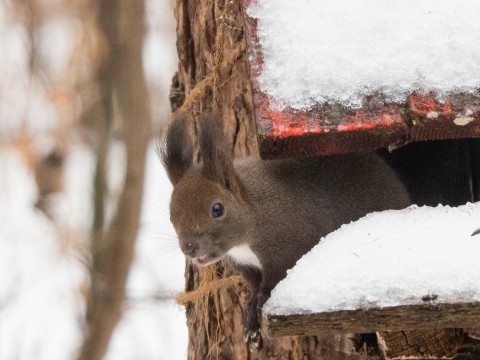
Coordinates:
279 208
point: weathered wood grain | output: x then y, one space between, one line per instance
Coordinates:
431 343
423 316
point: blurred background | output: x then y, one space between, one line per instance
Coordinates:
64 112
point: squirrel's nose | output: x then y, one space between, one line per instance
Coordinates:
189 248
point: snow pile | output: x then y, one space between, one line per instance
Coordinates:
334 51
386 259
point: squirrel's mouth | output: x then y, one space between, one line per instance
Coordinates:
205 260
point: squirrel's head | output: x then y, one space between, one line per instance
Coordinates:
208 208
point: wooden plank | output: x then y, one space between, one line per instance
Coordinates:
412 317
428 343
456 117
333 128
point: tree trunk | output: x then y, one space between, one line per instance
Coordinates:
213 73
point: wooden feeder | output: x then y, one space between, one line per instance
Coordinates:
327 129
334 128
351 296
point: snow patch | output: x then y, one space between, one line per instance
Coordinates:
386 259
337 51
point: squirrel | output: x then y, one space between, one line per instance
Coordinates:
263 216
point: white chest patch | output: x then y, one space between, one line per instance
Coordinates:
243 255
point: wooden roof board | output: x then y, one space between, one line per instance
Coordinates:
333 128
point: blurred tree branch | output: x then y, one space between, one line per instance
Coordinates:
121 79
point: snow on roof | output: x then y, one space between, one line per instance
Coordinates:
336 51
387 259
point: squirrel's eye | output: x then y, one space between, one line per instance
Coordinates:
217 210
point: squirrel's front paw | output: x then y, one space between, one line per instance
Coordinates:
253 338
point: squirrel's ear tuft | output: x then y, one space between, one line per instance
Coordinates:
177 152
217 155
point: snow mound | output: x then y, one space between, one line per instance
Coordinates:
337 51
387 259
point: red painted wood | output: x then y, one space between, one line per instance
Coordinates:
328 129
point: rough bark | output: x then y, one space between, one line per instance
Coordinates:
213 72
121 76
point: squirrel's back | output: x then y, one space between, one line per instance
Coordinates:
297 201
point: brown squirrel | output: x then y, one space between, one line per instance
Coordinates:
262 216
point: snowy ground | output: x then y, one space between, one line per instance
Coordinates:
43 279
